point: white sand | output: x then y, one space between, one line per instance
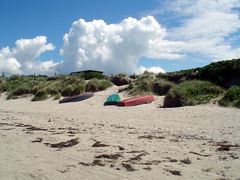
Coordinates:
153 140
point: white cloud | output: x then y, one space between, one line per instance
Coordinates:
153 69
206 26
22 59
205 29
115 47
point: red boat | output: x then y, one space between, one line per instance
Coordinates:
136 101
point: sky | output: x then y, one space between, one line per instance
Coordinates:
127 36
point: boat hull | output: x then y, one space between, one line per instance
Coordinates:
112 100
137 101
77 98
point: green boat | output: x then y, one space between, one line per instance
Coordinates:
112 100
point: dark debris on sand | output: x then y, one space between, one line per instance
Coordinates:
151 137
96 162
69 143
99 144
186 161
174 172
223 146
109 156
37 140
128 167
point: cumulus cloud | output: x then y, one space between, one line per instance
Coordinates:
206 27
116 47
199 28
153 69
23 59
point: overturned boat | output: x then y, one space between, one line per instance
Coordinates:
137 100
75 98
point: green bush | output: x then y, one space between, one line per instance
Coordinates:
191 93
120 79
2 85
67 91
73 85
161 87
223 73
57 96
19 91
97 85
40 95
71 80
91 75
14 78
142 85
78 89
231 98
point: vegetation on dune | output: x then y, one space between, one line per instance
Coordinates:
89 75
43 87
142 85
40 95
94 85
191 93
231 97
57 96
2 84
148 83
223 73
120 79
185 87
180 76
73 85
162 87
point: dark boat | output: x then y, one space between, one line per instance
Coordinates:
76 98
136 101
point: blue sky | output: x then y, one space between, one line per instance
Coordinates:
28 19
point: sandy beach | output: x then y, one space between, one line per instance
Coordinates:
86 140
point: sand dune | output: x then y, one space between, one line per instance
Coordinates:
86 140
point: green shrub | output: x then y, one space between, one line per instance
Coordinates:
223 73
161 87
40 95
53 88
38 85
120 79
19 91
191 93
67 91
41 86
142 85
14 78
91 75
2 85
231 98
73 85
97 85
71 80
57 96
78 89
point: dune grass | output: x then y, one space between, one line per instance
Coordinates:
40 95
191 93
161 87
94 85
185 87
231 97
120 79
148 83
43 87
142 85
